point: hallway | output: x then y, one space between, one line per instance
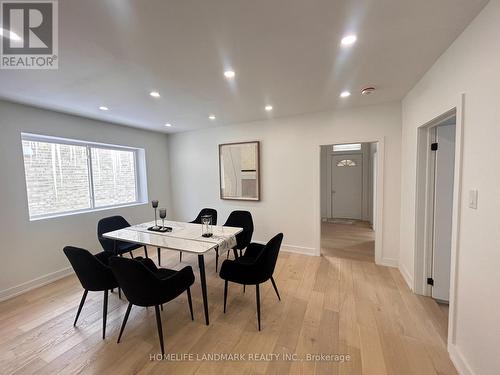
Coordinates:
354 241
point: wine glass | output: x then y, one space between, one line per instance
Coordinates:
154 203
163 215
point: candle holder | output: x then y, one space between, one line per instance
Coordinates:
206 226
163 215
154 203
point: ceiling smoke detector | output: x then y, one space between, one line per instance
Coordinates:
368 90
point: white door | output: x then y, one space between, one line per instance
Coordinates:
443 209
347 186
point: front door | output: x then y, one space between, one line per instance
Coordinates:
347 186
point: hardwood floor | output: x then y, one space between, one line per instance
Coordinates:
351 241
330 305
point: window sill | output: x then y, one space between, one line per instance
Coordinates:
87 211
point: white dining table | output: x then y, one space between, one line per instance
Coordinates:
183 237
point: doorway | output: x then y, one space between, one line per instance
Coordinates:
437 206
348 177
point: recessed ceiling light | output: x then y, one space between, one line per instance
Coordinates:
211 117
154 94
10 34
168 125
229 74
345 94
103 108
348 40
268 108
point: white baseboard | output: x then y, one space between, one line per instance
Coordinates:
295 249
299 249
406 276
35 283
388 262
459 361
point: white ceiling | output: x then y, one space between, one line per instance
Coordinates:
285 53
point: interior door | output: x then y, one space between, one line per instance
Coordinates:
443 210
347 186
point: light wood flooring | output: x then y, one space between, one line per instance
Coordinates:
351 241
330 305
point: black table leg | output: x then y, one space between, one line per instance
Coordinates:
116 253
201 264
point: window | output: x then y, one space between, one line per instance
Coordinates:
347 147
346 163
68 176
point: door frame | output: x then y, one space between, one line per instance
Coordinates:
379 238
424 216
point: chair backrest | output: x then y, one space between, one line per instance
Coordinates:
109 224
92 273
206 211
266 261
138 283
241 219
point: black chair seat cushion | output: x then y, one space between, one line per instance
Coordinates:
146 285
255 266
161 273
125 247
238 272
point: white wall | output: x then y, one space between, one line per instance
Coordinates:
31 252
290 171
471 66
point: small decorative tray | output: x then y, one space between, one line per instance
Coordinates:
160 229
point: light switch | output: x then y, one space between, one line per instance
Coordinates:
473 198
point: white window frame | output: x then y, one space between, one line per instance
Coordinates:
139 164
347 147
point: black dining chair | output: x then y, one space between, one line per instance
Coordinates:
146 285
94 275
204 211
255 267
109 224
241 219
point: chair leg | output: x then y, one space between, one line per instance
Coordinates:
146 251
275 288
235 252
180 256
190 302
160 330
227 255
119 293
244 286
159 256
225 294
257 296
104 313
216 259
161 307
131 255
81 305
125 318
